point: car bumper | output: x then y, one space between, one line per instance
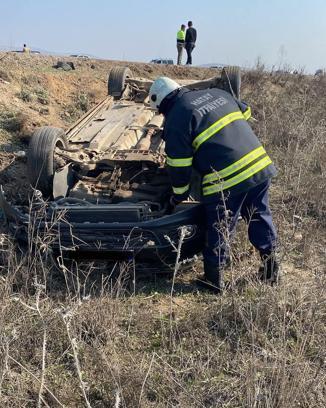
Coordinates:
91 232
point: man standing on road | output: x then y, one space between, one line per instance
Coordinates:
208 130
191 37
181 36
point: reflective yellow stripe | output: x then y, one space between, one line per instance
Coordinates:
247 113
180 190
186 161
255 168
227 171
216 127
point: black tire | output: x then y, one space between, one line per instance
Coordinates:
66 66
231 80
117 81
40 158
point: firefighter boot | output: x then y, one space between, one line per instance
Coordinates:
269 271
212 279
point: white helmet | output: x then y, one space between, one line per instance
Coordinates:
161 88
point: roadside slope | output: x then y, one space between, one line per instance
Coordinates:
43 95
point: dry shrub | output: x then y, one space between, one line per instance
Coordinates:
31 80
5 75
290 113
18 124
39 94
25 95
42 95
12 121
81 103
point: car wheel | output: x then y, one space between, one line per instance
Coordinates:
40 158
231 80
117 81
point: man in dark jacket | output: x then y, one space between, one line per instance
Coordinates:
208 130
191 37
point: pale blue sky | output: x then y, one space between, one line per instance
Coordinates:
231 32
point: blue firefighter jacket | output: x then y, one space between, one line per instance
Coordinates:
208 130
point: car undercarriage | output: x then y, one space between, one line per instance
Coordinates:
103 183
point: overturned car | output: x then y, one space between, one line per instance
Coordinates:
103 186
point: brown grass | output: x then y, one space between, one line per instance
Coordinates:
72 337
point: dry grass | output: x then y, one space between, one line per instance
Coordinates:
72 337
12 121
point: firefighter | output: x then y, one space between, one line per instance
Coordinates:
208 130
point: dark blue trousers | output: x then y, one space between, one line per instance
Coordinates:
222 217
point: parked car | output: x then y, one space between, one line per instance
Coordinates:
162 61
30 52
320 72
82 56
